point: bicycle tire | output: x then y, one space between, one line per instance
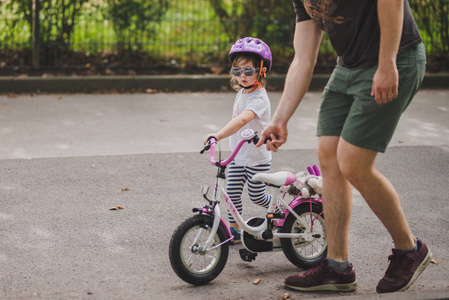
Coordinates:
192 266
305 254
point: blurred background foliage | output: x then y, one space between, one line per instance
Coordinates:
161 36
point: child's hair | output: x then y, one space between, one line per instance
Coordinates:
245 57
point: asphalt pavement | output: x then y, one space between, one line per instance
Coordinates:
66 159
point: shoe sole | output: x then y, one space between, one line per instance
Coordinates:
347 287
419 270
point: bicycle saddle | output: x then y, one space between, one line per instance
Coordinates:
277 179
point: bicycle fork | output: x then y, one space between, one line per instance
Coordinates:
217 221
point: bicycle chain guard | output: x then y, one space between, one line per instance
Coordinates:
251 243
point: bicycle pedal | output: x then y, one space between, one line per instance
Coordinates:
247 255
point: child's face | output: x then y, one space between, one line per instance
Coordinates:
243 79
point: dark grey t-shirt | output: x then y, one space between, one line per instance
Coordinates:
353 28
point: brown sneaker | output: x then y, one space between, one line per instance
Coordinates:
404 269
323 278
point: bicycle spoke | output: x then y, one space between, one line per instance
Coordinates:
305 224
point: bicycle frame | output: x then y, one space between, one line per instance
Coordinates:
219 193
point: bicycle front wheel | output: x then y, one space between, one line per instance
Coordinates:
300 252
188 261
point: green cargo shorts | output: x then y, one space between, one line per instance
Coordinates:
348 109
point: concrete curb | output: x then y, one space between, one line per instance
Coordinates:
172 83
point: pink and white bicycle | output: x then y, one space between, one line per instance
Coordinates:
199 247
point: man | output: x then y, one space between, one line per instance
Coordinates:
380 67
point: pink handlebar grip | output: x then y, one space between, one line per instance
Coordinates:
212 142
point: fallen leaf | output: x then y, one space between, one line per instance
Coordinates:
286 296
116 208
257 281
434 261
401 141
125 189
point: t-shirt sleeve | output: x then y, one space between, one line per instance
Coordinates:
258 106
301 13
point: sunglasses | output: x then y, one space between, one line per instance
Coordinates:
246 71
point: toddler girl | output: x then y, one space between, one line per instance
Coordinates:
251 59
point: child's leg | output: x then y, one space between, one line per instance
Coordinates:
236 180
257 190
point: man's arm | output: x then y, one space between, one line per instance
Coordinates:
386 80
306 42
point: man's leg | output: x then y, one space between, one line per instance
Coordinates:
410 256
337 205
337 199
357 165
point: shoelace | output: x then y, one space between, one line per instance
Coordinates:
317 268
396 259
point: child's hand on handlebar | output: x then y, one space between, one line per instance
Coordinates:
207 143
209 136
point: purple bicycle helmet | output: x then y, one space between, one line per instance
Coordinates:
255 46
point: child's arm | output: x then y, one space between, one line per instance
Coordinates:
234 125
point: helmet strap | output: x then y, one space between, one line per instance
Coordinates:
258 84
261 72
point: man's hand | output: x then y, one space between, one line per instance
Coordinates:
276 135
386 79
385 83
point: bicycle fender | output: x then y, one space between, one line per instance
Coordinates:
225 225
294 204
222 222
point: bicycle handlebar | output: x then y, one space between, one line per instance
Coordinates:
222 163
213 142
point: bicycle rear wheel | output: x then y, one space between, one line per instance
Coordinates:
302 253
188 262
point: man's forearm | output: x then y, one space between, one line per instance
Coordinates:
297 83
391 16
307 42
